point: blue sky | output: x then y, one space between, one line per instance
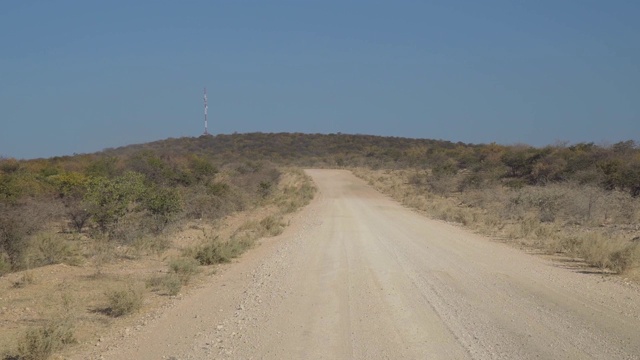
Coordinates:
81 76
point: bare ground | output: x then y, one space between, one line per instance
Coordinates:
357 276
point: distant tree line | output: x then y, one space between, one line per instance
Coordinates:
614 167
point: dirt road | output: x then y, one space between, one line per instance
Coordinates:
357 276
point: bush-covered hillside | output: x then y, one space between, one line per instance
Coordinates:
127 193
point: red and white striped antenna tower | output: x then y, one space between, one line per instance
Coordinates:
206 107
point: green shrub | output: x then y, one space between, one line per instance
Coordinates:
124 301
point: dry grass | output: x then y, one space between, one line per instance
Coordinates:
579 221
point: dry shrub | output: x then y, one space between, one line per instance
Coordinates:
17 223
171 283
5 265
626 258
48 249
39 343
125 300
597 250
272 225
585 204
295 191
551 218
213 251
103 253
442 185
27 278
152 244
78 216
129 229
184 268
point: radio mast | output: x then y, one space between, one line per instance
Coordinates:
206 107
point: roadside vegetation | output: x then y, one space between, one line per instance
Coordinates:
119 232
581 201
122 230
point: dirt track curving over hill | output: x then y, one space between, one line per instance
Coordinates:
357 276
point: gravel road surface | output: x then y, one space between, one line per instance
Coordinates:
357 276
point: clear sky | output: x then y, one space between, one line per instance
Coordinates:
81 76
